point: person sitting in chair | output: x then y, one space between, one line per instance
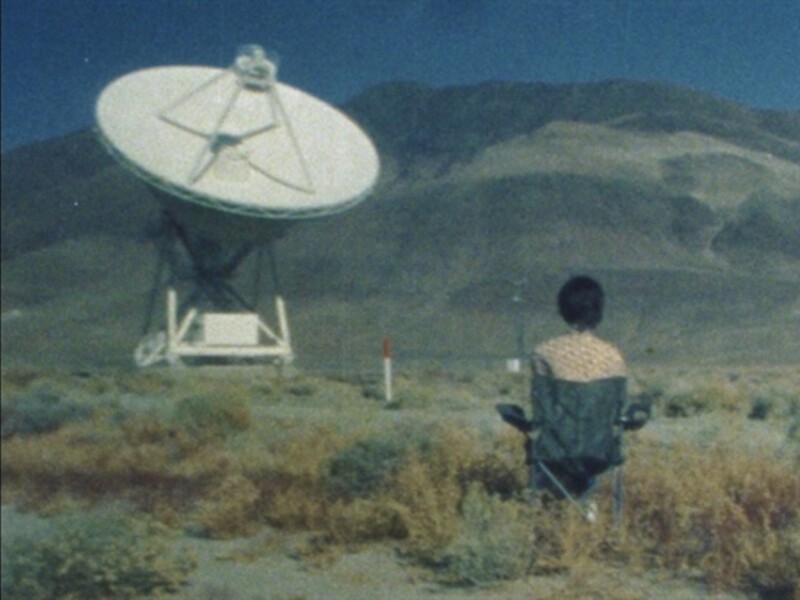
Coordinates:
578 392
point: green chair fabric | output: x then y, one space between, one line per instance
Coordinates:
576 426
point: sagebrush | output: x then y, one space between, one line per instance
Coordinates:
98 555
448 487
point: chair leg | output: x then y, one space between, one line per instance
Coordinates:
538 483
617 495
535 477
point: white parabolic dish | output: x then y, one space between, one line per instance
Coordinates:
207 136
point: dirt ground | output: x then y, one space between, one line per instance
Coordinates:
374 572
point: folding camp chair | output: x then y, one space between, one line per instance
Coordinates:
575 436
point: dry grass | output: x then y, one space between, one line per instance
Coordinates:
444 487
731 511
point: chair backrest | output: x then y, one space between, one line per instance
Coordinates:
578 423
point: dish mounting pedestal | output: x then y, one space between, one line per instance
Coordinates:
214 322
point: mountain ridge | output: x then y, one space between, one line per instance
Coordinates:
648 185
496 111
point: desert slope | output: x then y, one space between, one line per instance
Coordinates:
686 204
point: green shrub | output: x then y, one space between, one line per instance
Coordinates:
104 554
793 435
39 411
794 420
20 377
302 390
361 470
496 540
760 408
210 419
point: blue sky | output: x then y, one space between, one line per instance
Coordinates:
57 55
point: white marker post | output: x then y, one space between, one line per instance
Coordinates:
387 369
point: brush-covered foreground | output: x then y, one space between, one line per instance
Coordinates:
313 471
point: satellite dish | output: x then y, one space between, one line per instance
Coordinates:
237 141
235 157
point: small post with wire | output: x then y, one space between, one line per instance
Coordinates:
387 369
519 308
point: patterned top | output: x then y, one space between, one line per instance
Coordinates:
578 356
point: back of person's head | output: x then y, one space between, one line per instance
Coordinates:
580 302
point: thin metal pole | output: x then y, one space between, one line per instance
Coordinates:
387 369
618 496
586 514
519 302
151 301
276 284
259 267
558 484
156 287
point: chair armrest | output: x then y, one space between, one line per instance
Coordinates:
636 416
514 416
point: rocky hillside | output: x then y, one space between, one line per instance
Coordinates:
687 205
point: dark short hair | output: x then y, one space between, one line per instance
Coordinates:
580 302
